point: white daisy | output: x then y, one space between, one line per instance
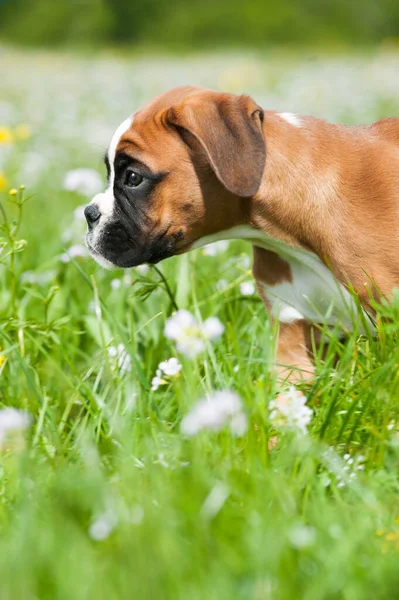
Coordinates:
214 412
189 334
247 288
215 248
84 181
290 410
13 424
170 367
122 359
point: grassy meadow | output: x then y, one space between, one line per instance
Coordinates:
103 492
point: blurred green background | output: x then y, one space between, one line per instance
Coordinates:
183 24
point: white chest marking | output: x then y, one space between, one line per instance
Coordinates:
313 294
285 313
291 118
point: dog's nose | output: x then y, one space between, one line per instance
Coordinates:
92 214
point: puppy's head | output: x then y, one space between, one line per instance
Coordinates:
178 170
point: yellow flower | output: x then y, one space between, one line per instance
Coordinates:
13 192
22 131
3 182
2 358
6 135
392 536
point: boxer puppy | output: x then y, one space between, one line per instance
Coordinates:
318 202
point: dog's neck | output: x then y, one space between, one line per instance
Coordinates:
298 201
327 189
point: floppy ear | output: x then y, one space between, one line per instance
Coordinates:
229 129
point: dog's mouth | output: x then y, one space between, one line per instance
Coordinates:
107 253
99 257
91 249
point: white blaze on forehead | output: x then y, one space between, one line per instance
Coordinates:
291 118
105 201
123 127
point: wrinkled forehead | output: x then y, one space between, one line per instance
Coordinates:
167 100
128 138
143 141
145 130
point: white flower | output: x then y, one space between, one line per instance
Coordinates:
156 381
247 288
142 269
180 323
8 112
190 346
238 424
215 248
290 410
190 336
301 536
75 251
183 328
13 424
348 471
345 471
212 328
136 515
222 284
84 181
170 367
215 412
243 262
77 229
95 307
123 360
79 214
102 527
116 284
42 278
33 165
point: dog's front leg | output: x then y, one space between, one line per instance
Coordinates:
293 360
293 353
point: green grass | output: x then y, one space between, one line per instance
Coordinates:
212 516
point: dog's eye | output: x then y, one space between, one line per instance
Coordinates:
133 179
